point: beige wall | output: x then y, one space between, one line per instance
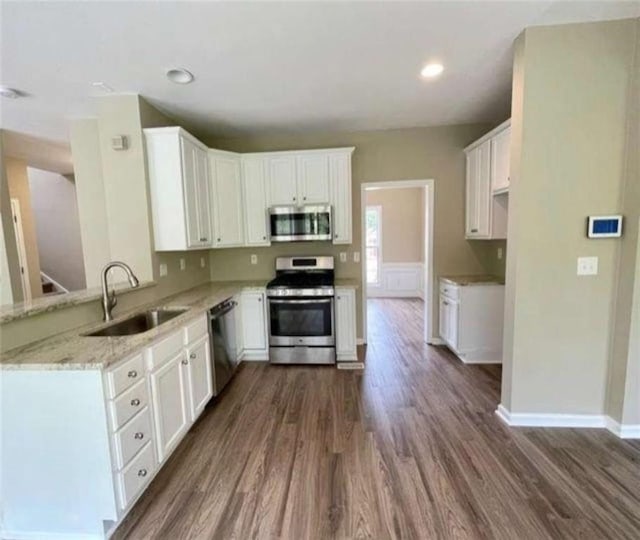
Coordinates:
569 117
403 154
402 223
18 181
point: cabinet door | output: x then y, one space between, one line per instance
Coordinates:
203 199
444 319
256 204
190 186
254 334
478 195
226 197
313 179
452 323
345 324
340 173
500 159
169 398
199 376
282 180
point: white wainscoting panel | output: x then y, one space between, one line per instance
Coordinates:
399 280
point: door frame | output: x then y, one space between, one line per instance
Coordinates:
428 280
22 250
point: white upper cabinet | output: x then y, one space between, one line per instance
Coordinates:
178 179
500 160
256 201
226 199
340 186
487 185
282 179
313 179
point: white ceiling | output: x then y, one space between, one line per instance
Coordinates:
272 66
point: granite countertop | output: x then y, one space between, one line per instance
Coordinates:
473 280
73 350
347 282
45 304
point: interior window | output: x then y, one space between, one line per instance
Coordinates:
374 243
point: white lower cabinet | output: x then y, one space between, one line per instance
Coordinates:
345 324
199 375
253 313
471 321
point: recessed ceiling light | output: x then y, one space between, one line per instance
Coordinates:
102 86
11 93
179 75
432 70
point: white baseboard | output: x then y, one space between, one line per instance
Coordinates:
551 420
436 341
254 356
21 535
624 431
360 341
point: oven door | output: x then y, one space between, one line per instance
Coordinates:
292 223
301 322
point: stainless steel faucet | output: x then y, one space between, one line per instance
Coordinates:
109 300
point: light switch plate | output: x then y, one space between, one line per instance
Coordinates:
183 264
356 256
254 259
499 253
203 262
587 266
163 270
343 256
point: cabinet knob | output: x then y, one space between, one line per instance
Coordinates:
192 356
219 239
294 198
185 362
336 235
264 237
142 472
203 239
304 198
259 298
446 303
132 374
135 402
474 230
139 435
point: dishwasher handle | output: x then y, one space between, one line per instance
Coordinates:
222 309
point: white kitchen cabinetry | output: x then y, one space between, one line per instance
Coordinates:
226 199
253 310
340 177
179 185
313 178
255 191
345 324
487 184
282 179
471 320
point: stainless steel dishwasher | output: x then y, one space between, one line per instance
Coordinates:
224 347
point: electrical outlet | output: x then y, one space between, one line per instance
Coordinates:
499 253
343 256
254 259
183 264
163 270
203 262
356 256
587 266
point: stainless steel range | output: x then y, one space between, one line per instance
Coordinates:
301 311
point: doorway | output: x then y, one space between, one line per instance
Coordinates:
375 271
22 250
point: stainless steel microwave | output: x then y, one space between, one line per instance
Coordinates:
300 223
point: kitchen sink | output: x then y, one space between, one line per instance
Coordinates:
138 323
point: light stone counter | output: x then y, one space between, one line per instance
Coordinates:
473 280
347 282
73 350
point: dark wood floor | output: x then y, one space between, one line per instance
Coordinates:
408 448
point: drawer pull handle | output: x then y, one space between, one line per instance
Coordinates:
139 435
474 230
135 402
142 472
132 374
185 362
203 239
446 303
192 356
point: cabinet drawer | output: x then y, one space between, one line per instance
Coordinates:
125 375
128 404
163 351
195 330
133 436
449 290
136 475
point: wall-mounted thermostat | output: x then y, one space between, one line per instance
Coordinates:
604 227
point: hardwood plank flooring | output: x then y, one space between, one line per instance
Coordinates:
408 448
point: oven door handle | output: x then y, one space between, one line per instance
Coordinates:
320 301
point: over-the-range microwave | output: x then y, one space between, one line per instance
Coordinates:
300 223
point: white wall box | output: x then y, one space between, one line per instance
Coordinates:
487 185
345 324
471 321
101 435
226 199
179 185
253 326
